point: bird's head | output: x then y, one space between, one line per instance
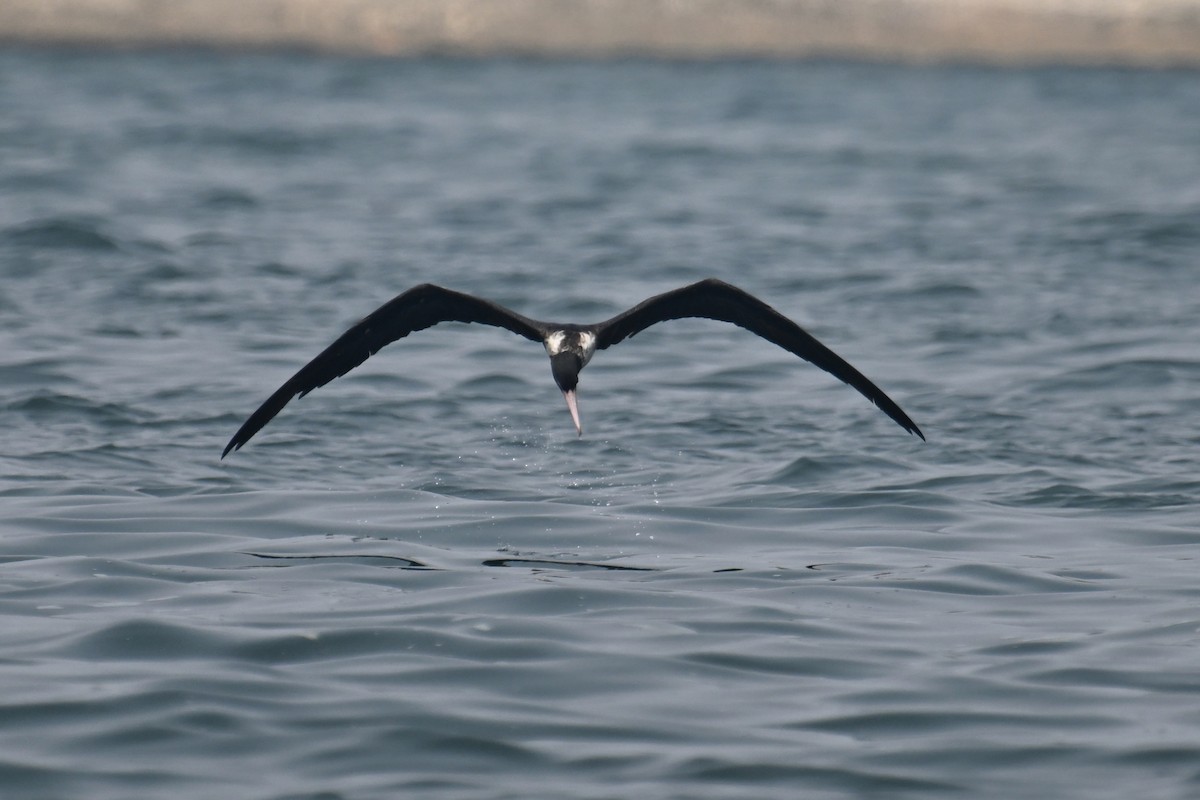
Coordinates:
565 367
569 352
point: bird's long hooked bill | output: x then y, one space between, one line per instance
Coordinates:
574 409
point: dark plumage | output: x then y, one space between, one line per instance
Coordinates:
570 346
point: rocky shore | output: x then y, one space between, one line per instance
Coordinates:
1133 32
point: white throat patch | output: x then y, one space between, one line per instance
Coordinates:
554 342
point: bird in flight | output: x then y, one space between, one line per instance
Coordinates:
569 345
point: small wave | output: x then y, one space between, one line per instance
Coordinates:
35 372
72 233
393 562
1134 372
988 579
264 141
44 405
1070 496
855 782
493 384
227 199
950 292
150 639
542 563
659 149
1153 229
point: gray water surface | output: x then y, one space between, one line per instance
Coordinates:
744 581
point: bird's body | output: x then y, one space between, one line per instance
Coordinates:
570 346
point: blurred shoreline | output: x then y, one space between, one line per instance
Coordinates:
1122 32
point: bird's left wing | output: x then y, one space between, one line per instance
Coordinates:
420 307
714 299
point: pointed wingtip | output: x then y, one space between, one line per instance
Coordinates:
910 426
888 406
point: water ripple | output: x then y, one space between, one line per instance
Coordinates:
743 580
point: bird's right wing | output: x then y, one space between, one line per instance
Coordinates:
714 299
420 307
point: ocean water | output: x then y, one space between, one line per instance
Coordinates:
743 581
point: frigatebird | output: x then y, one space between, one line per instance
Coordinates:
569 345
